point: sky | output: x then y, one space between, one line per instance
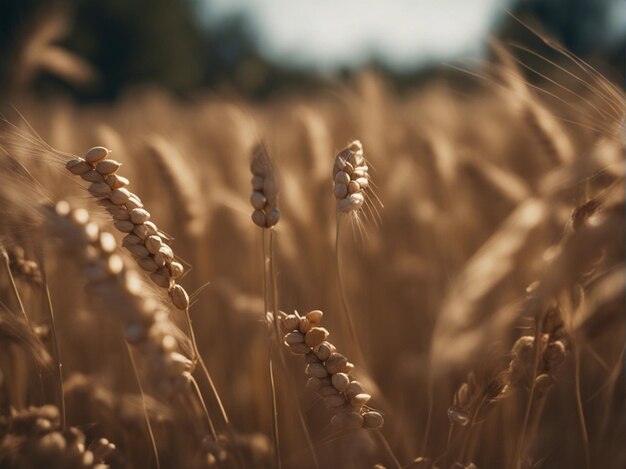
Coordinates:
332 34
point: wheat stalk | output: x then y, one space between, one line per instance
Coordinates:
264 200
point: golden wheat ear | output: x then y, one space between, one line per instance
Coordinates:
146 243
265 189
353 188
145 323
329 372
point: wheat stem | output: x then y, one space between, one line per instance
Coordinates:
196 388
57 357
55 345
276 435
205 370
344 300
580 410
429 416
18 298
281 354
517 461
385 445
7 266
145 408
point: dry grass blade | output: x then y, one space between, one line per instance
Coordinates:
13 330
541 122
602 307
181 183
467 316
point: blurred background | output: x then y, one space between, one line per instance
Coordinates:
95 49
487 166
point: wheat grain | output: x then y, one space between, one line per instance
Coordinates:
130 218
145 323
329 372
265 189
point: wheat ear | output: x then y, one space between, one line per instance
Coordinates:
329 371
35 438
143 239
145 322
182 183
352 190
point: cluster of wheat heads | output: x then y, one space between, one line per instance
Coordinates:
477 319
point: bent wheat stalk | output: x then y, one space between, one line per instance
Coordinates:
146 325
143 239
16 293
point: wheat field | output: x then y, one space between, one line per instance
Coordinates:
352 278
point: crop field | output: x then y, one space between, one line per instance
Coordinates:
355 277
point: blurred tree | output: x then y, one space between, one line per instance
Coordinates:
588 28
139 41
161 42
128 42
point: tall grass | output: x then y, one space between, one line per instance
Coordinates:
472 267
